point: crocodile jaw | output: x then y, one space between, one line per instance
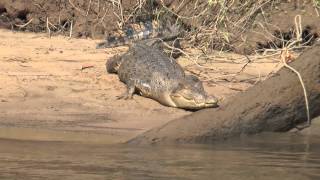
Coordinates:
192 104
167 100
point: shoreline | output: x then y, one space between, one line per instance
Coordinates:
45 88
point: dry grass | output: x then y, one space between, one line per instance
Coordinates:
218 24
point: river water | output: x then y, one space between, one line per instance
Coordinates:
265 156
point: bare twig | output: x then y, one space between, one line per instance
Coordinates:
48 28
24 25
89 6
76 8
245 65
71 27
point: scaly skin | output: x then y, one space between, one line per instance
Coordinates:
151 30
134 33
149 72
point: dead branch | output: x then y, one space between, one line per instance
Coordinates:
24 25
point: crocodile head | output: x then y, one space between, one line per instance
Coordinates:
113 64
190 95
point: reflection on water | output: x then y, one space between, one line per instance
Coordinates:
268 156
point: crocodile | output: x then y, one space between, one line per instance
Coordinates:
165 32
147 71
139 31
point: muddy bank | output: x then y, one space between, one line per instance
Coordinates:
244 28
311 131
46 95
84 18
276 104
248 27
45 88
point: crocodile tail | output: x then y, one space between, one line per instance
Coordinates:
113 42
128 38
150 30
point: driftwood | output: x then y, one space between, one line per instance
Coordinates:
277 104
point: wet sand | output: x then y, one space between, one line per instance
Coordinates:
46 94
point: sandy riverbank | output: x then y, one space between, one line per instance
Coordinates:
43 87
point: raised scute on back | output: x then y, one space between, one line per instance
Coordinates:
135 32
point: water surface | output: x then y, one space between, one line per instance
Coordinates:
267 156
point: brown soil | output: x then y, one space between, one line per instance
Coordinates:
278 26
43 87
276 104
94 19
268 26
88 19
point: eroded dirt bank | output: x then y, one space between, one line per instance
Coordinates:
44 88
242 27
275 105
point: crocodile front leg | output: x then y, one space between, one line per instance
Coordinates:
129 92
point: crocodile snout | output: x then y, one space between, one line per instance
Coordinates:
212 101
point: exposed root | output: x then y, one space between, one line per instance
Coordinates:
71 27
24 25
48 28
285 56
